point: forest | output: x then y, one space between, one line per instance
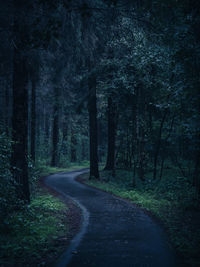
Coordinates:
108 85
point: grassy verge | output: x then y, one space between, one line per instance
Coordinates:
46 170
36 235
32 234
172 200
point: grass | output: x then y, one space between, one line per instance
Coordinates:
30 233
171 200
45 170
36 235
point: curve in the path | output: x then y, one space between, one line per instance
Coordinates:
114 233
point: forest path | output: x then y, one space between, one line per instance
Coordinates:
113 233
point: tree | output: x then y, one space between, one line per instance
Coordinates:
19 159
55 136
110 163
92 108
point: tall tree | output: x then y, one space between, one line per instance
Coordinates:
92 108
110 162
55 136
20 101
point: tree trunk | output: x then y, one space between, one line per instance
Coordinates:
111 135
33 119
140 120
73 146
7 107
166 139
196 180
19 160
55 136
157 150
83 150
94 171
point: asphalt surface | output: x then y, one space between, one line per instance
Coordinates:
114 233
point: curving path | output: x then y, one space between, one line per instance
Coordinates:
114 233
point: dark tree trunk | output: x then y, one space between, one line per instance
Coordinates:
55 136
196 179
73 146
94 171
7 107
19 160
165 141
140 120
157 150
33 119
64 148
47 126
83 152
110 163
134 140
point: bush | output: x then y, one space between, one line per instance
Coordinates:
8 200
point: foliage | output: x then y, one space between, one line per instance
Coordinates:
32 232
8 198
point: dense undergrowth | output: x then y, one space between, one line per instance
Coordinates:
31 234
36 233
171 199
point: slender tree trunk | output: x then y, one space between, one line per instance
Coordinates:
134 140
157 150
33 119
83 151
73 146
94 171
64 148
7 107
47 126
55 136
111 135
140 120
166 139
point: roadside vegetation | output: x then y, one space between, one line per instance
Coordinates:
36 233
172 200
32 235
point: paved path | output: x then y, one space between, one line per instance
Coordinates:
114 233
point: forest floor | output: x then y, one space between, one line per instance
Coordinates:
170 201
38 234
114 232
43 231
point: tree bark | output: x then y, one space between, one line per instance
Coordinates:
7 107
157 150
196 180
140 120
19 160
33 119
110 163
73 146
55 136
94 171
